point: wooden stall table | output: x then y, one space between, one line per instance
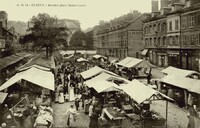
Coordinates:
127 108
113 116
134 119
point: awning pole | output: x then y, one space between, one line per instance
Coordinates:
166 111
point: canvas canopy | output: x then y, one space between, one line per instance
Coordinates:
94 71
2 97
69 52
192 85
172 70
145 64
4 62
107 77
140 92
129 62
99 56
124 61
36 66
102 86
82 60
91 52
34 75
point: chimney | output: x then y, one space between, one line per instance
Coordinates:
154 14
178 6
165 10
154 5
147 16
164 3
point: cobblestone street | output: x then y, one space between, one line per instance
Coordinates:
60 118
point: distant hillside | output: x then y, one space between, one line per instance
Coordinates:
20 27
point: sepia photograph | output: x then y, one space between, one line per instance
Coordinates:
100 64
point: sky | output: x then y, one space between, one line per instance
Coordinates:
88 12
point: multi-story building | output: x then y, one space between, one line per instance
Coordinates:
172 37
120 37
190 37
8 38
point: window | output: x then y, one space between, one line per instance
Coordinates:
154 27
164 27
176 40
184 22
198 19
155 43
164 41
150 29
173 40
184 40
150 42
176 24
193 39
146 42
170 26
197 39
191 21
170 40
158 41
159 27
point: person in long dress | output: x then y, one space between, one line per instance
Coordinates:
57 95
71 115
61 94
71 94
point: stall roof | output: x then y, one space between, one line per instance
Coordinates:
4 62
2 97
95 71
129 62
36 66
140 92
113 59
172 70
124 61
192 85
34 75
145 64
67 52
102 86
98 56
82 60
106 77
91 52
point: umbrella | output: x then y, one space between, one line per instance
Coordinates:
145 64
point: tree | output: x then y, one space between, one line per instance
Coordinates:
46 32
81 40
77 39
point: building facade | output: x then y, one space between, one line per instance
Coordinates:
172 37
120 37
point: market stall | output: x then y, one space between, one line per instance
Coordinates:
113 116
143 95
19 112
94 71
44 117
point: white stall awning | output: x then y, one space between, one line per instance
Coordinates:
34 75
